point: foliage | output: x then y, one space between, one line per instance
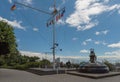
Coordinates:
68 64
33 59
110 65
10 56
2 61
75 65
7 39
44 63
21 67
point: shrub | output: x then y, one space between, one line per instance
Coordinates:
110 65
21 67
33 64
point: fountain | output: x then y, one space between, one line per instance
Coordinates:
93 66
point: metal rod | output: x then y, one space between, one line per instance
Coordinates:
33 8
54 46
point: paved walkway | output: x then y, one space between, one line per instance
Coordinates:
8 75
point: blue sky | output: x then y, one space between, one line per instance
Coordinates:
86 24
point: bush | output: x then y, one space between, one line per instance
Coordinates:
21 67
110 65
2 61
33 64
27 65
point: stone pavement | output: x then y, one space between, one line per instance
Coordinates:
8 75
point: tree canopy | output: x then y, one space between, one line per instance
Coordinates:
7 39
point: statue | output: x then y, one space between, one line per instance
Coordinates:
93 66
92 56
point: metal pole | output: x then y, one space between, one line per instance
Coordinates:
33 8
54 46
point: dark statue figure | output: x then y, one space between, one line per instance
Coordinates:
92 56
93 66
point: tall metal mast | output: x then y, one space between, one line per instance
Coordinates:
54 39
53 14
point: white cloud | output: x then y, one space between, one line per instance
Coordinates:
100 42
35 29
84 51
18 40
40 55
104 32
104 43
10 1
60 22
63 1
113 53
22 1
50 56
97 42
106 1
84 43
26 1
89 40
86 11
75 38
119 11
15 23
76 59
97 33
114 45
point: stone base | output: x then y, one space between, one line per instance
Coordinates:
48 71
94 76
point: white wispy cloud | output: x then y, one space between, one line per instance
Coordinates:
114 45
104 43
119 11
97 42
106 1
50 56
40 55
86 11
10 1
84 51
26 1
60 22
89 40
86 41
63 1
100 42
14 23
18 40
75 38
104 32
97 33
110 56
35 29
113 53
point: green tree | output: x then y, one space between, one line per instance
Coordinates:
110 65
68 64
44 62
33 59
7 39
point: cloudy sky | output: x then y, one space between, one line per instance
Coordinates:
86 24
